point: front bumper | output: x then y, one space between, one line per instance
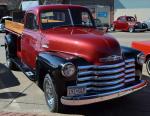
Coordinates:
85 100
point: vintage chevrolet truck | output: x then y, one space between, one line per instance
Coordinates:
59 47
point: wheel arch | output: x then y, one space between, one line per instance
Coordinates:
147 57
49 62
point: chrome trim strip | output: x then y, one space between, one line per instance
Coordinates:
129 60
101 72
130 70
108 83
105 88
130 75
101 67
85 100
129 80
101 78
129 65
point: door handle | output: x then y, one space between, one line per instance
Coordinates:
45 46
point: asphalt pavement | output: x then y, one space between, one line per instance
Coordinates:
19 94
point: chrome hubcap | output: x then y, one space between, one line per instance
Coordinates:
8 62
49 94
112 28
131 30
148 66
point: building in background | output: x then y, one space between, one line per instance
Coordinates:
138 8
7 6
3 9
101 9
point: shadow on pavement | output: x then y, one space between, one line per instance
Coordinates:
7 78
11 95
135 104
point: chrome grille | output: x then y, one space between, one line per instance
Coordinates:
106 77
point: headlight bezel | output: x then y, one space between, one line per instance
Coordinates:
65 66
141 58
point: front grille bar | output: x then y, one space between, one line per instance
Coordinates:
106 77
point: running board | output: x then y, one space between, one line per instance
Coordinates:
25 69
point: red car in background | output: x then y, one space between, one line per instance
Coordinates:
128 23
143 46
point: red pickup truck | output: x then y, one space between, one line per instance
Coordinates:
59 48
128 23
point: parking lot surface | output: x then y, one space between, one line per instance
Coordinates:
19 94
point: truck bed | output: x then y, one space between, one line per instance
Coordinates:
14 27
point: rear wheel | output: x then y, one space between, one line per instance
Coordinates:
148 66
52 96
9 62
131 29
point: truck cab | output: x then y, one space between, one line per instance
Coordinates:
75 64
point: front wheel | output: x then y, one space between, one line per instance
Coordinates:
112 28
9 62
131 29
148 66
52 95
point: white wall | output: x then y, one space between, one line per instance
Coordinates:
141 13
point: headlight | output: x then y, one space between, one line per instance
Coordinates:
68 70
141 58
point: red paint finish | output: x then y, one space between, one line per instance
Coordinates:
88 43
143 46
123 23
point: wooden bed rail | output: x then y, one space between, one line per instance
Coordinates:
14 26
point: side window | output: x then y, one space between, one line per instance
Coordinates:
123 19
86 19
31 22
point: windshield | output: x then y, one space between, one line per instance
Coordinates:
82 17
54 18
59 18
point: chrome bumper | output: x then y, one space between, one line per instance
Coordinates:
85 100
140 29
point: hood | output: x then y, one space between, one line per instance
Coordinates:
90 44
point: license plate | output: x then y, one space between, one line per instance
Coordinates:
75 91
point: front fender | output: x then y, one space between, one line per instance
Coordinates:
53 61
132 53
129 52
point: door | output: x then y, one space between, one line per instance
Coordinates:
31 40
121 23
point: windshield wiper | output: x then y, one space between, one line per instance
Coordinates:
83 25
62 26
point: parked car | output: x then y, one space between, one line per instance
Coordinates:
143 46
73 62
147 22
2 22
128 23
